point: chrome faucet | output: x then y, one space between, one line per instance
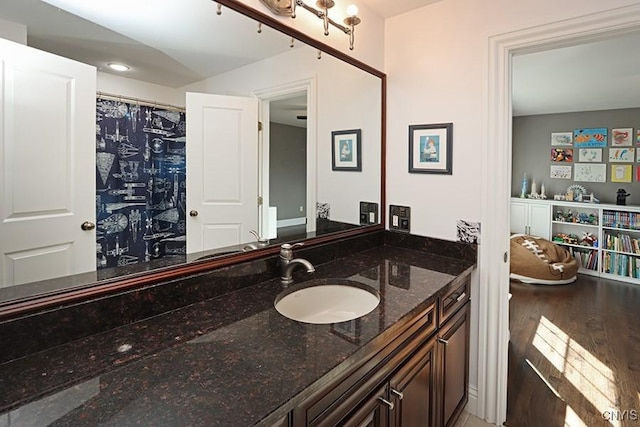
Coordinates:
288 263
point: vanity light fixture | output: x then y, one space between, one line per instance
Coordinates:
352 20
289 7
117 67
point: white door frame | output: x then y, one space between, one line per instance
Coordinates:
275 93
493 328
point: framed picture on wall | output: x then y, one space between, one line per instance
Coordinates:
622 137
584 138
562 139
621 173
560 172
346 150
590 155
590 172
430 148
562 155
622 155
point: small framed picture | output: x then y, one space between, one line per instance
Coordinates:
562 155
622 137
622 155
562 139
430 148
590 155
590 138
346 150
560 172
621 173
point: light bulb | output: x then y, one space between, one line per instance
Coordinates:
118 67
352 10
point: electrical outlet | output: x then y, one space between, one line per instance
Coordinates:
368 213
400 218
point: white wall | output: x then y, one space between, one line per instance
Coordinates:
122 86
436 60
13 31
347 98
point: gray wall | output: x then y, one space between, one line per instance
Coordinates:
532 151
288 170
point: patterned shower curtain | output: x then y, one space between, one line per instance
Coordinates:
140 183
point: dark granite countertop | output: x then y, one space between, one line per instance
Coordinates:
229 361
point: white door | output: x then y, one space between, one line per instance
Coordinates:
222 170
47 165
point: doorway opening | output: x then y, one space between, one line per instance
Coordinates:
493 260
287 160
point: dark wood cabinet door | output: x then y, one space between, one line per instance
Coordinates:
412 390
453 343
372 412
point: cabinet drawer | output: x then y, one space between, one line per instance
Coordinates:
456 297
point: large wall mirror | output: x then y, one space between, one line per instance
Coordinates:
173 174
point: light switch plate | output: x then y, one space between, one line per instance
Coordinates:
400 218
368 213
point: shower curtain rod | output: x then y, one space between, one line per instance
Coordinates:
139 101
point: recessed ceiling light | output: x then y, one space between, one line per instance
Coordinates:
118 67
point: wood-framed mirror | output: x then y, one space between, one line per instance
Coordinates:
357 102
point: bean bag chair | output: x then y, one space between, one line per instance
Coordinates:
539 261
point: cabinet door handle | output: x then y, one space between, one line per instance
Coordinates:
443 341
461 296
386 402
397 393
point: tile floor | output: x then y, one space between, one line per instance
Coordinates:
468 420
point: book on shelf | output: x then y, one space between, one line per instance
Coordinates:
621 264
622 243
586 259
621 219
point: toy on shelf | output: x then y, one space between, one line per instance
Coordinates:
571 239
577 217
588 239
621 198
523 190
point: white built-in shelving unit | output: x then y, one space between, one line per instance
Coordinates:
604 239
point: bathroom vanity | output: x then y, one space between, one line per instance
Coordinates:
233 360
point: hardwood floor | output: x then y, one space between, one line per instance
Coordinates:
574 354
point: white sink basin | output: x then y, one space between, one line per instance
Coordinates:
327 301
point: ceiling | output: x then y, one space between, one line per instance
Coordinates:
602 74
144 36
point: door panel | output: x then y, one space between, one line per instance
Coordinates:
412 389
222 170
454 345
47 151
540 220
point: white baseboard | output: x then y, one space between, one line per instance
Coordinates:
472 404
291 222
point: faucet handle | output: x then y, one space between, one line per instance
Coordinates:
287 246
286 250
